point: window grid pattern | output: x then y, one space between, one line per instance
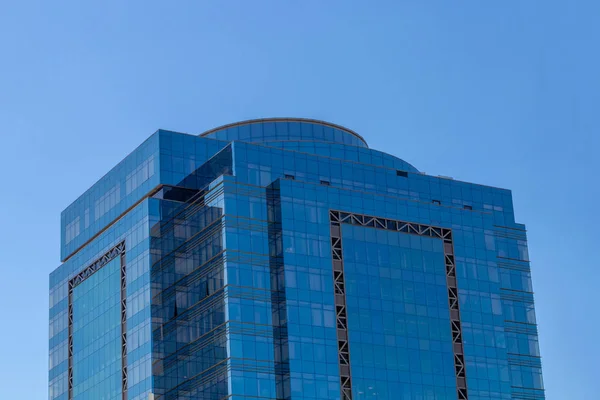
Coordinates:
277 130
292 349
189 330
116 252
336 219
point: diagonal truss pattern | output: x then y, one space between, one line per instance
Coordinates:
336 219
117 251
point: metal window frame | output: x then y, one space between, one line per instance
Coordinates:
116 251
336 219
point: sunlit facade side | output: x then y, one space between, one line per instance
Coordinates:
284 259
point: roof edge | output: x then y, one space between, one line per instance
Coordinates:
283 119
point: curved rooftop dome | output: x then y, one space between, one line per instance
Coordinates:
309 136
283 129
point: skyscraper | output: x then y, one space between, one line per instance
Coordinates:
284 259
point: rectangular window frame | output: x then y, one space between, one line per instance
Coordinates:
336 219
113 253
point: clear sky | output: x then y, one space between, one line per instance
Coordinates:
504 93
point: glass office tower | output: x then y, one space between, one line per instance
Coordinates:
284 259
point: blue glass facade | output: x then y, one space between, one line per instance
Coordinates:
97 358
284 259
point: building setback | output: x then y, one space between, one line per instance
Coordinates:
284 259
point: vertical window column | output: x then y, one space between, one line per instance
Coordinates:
336 218
116 252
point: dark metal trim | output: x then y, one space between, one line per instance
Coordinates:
336 218
117 251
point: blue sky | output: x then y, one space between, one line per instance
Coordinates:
501 93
